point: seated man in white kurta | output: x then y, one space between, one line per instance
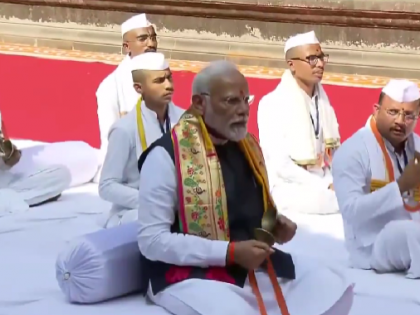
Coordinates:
376 176
78 157
203 192
154 115
115 95
19 191
298 132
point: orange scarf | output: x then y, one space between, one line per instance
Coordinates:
388 163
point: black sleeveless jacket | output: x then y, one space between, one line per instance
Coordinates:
245 204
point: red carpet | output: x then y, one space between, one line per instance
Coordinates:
54 100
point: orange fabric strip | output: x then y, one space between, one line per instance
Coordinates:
257 293
388 163
276 286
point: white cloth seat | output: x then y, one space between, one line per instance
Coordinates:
81 160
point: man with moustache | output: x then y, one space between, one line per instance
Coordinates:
298 131
153 116
376 176
203 192
115 95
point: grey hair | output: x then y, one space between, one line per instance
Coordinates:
202 80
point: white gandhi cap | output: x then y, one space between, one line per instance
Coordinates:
152 61
308 38
402 91
137 21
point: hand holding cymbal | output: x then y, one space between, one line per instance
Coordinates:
265 234
6 147
285 229
410 178
275 228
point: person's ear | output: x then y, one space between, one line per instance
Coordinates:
198 104
138 88
291 65
126 49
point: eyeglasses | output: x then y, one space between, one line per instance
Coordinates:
312 60
407 117
233 101
143 38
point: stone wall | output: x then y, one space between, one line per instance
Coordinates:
388 43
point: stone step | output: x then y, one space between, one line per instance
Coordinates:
184 65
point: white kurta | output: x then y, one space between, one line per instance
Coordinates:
79 158
119 182
292 187
158 205
380 233
21 190
115 95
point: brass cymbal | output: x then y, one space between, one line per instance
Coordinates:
264 236
6 147
269 220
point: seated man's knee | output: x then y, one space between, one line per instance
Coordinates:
391 243
191 297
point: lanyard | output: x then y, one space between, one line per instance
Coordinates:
167 123
316 128
140 125
400 169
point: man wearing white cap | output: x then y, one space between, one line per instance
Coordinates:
203 194
153 116
298 131
115 95
376 176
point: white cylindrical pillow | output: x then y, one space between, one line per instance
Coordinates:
101 265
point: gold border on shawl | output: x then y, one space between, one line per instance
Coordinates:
306 162
204 196
332 143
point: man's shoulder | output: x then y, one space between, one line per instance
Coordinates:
267 98
106 83
164 142
111 79
123 125
352 146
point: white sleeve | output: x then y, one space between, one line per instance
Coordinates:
351 177
111 186
275 147
108 108
158 204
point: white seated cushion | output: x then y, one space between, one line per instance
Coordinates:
100 266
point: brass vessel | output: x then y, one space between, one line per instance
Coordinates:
265 234
6 146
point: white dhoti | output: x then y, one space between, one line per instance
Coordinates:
397 248
317 290
80 159
41 185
